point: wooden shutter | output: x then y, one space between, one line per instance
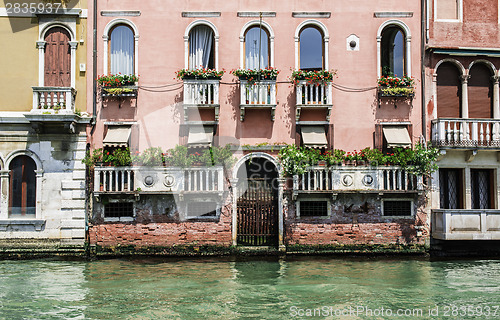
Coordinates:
449 92
57 58
378 137
329 136
298 135
183 134
480 92
410 131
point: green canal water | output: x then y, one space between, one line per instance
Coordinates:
329 288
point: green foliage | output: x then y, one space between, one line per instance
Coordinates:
150 157
201 73
397 91
91 158
313 76
419 161
117 80
121 157
179 157
255 75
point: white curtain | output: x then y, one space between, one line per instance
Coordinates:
252 51
200 47
122 50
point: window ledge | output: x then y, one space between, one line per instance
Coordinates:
36 223
120 219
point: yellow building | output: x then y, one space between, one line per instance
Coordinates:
42 130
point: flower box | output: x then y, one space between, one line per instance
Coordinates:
120 91
199 74
408 92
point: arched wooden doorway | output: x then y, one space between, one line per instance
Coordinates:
257 204
57 67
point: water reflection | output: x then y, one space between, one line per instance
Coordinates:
238 289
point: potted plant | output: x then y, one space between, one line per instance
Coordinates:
316 77
118 84
392 86
201 74
252 76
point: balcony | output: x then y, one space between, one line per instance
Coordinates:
465 224
53 100
466 133
261 94
313 96
364 179
54 107
158 180
201 94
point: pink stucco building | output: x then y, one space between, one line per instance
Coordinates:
253 201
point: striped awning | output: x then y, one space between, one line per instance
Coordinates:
200 136
397 136
314 136
117 136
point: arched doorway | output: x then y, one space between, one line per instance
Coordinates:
257 203
22 194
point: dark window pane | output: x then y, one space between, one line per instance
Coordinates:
311 49
119 209
313 208
450 188
481 189
397 208
22 186
393 52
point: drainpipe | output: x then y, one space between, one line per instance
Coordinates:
94 67
423 37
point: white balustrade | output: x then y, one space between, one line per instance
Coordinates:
466 132
201 92
259 93
54 98
349 178
158 179
312 94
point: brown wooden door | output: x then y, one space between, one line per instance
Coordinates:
57 58
258 214
22 200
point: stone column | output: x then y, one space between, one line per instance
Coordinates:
73 45
281 214
39 180
41 62
434 95
465 96
496 101
234 219
4 203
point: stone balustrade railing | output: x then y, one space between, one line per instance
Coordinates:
466 132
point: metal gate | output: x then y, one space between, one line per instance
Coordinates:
257 214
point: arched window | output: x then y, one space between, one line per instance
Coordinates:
311 54
201 48
22 199
256 48
121 50
393 49
449 91
480 91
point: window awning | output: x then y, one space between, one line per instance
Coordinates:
314 136
396 136
117 136
200 136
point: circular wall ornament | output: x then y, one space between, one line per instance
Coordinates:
149 181
169 180
367 180
347 180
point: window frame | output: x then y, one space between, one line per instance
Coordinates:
326 39
492 173
412 208
270 32
407 45
460 12
314 199
460 187
189 28
107 45
119 219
